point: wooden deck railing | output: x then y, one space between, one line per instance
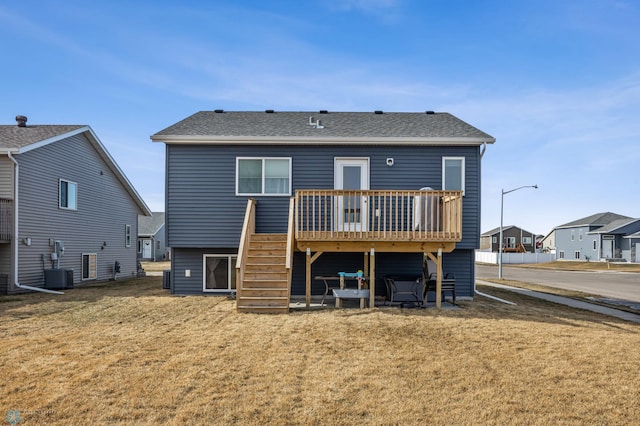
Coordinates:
378 215
6 219
248 229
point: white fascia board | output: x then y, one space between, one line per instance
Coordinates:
277 140
53 139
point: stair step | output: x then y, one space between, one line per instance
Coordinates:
266 260
264 309
269 237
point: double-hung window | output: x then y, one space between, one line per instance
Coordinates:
453 174
68 195
263 176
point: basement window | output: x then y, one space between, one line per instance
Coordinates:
89 266
219 272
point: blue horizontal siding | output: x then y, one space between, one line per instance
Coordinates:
203 210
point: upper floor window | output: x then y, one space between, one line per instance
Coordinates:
453 174
68 192
263 176
127 235
526 240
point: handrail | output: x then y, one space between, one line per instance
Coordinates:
290 243
290 235
378 215
248 228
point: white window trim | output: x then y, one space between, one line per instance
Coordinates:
561 254
204 272
60 206
263 194
576 254
464 172
91 276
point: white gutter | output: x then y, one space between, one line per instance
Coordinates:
15 234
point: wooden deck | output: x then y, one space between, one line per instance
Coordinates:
366 221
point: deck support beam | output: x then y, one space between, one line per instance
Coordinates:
438 261
309 262
372 277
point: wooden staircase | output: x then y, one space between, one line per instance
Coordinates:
265 285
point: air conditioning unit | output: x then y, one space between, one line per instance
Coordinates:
58 279
166 279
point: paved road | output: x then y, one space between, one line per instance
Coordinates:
614 285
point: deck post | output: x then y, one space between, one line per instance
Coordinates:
372 278
308 280
439 281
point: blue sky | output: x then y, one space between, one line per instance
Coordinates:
556 82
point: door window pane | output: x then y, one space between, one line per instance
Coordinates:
453 174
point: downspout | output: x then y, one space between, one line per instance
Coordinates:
15 233
482 151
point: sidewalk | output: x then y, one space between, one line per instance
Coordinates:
627 316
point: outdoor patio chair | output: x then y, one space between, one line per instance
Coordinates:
430 283
403 290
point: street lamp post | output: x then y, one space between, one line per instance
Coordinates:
501 219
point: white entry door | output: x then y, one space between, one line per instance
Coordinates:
607 249
146 249
352 213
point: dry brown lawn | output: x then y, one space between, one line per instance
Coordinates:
129 353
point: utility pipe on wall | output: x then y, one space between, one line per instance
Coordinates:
15 233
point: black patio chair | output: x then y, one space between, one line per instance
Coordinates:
403 290
430 283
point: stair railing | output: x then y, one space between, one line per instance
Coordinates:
248 229
290 243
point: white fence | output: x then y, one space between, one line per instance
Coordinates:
489 257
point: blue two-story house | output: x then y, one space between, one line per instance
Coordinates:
259 203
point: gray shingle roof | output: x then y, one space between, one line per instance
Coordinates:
612 226
334 125
14 137
598 219
150 225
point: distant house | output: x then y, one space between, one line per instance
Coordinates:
514 239
151 237
68 214
602 236
548 242
256 201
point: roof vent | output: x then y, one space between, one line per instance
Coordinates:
269 111
430 112
377 111
21 120
219 111
324 111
